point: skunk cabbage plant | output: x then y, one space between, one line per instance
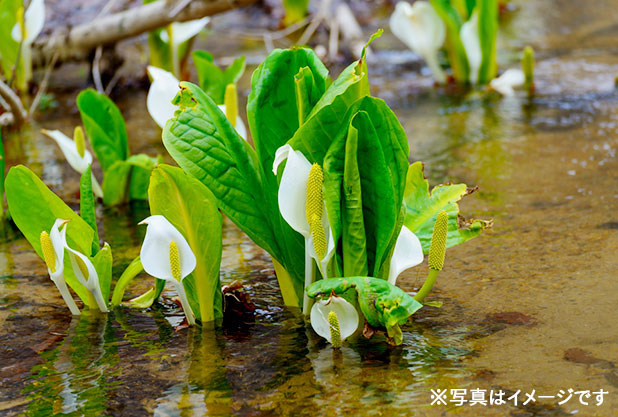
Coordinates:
53 229
343 189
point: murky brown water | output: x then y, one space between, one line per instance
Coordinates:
529 305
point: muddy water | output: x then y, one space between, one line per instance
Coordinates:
529 305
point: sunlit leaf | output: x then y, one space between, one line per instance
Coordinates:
192 209
423 208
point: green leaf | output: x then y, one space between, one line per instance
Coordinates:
149 297
8 47
102 262
383 305
210 76
454 47
35 208
131 271
307 93
423 207
2 167
232 74
354 246
271 108
128 180
205 145
488 31
192 209
104 126
331 114
86 206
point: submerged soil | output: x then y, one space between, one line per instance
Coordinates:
528 305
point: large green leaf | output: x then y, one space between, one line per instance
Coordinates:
423 207
35 208
271 108
488 31
104 126
202 141
192 209
353 241
454 47
2 167
382 159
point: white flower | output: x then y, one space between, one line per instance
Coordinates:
422 30
408 252
180 33
299 195
87 275
166 254
162 91
183 31
76 155
34 19
507 82
52 246
469 34
347 317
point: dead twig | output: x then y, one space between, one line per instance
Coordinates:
14 103
43 85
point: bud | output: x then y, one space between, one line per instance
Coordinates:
80 143
231 103
438 242
527 65
335 332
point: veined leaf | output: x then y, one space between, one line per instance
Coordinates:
192 209
35 208
104 126
205 145
422 209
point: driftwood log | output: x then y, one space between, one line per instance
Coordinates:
77 42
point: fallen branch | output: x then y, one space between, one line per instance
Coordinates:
16 113
77 42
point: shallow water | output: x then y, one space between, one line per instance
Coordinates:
528 305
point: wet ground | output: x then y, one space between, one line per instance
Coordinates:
528 305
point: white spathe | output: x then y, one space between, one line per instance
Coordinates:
57 236
76 161
422 30
183 31
471 41
162 91
408 252
346 314
292 198
155 252
34 19
507 82
156 258
91 281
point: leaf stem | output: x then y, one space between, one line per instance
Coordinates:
185 303
426 288
307 302
66 295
